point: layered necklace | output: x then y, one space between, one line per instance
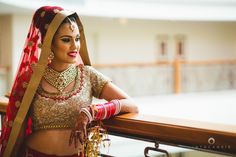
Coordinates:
60 80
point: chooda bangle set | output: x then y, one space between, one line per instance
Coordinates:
102 111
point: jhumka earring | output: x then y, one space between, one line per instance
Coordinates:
51 56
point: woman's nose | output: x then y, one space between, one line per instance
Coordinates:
75 45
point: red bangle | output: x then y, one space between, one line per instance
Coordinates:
113 109
99 111
110 109
105 111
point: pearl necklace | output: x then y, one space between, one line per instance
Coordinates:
60 80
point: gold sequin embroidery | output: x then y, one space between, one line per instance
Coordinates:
24 85
42 14
46 26
10 123
49 113
17 104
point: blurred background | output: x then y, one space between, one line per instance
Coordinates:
178 55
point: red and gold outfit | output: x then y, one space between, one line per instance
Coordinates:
30 104
33 62
59 110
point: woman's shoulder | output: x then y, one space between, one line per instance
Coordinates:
86 68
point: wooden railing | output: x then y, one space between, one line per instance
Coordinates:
3 104
176 64
4 78
203 136
4 69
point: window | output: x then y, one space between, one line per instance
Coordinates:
180 46
162 47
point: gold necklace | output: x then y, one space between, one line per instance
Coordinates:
60 80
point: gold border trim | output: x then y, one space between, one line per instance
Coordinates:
34 82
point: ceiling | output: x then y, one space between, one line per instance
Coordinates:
194 10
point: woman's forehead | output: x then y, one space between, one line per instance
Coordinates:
68 29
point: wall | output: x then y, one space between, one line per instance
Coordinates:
112 40
13 31
20 27
136 40
5 52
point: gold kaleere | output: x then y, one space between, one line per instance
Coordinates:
60 80
97 138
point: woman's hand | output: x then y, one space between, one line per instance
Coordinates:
80 130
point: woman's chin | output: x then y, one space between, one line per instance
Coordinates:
71 61
65 61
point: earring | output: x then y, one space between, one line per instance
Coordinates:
51 56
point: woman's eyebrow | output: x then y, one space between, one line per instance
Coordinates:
62 36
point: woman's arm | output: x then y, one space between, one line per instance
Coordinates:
110 92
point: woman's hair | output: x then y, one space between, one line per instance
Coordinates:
43 17
69 19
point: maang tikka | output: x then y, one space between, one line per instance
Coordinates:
72 27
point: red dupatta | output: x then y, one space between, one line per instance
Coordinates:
35 46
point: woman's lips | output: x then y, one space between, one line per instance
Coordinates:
72 53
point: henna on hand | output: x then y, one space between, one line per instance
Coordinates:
79 132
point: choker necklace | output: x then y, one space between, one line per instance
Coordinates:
60 80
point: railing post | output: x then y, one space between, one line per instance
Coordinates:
177 75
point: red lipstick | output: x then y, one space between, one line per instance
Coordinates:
72 53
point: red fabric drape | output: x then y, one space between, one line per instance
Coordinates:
30 56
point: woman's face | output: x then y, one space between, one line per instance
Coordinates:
66 44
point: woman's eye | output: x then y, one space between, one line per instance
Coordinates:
66 40
77 39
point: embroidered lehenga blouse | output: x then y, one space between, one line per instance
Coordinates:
54 110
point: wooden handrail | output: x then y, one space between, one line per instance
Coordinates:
166 62
134 64
210 62
197 135
176 64
3 104
205 136
4 69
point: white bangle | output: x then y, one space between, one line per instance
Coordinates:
88 114
105 110
118 106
